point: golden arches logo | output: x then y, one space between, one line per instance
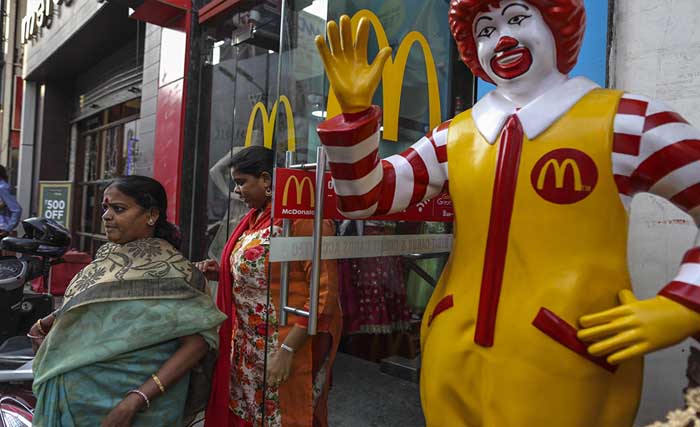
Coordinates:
559 174
393 75
299 187
268 123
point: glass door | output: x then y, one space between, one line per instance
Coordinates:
368 335
241 80
324 338
241 75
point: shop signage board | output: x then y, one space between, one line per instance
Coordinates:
55 200
295 192
40 14
283 249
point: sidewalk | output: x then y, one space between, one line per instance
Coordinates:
363 396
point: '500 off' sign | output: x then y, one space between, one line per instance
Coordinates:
55 201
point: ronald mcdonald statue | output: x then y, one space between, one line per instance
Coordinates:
533 322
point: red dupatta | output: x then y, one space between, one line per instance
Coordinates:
218 413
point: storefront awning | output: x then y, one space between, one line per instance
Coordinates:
105 31
163 13
216 7
167 14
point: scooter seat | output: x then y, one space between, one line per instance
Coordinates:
15 351
22 373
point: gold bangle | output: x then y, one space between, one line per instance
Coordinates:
158 383
40 328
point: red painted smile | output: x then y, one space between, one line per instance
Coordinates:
511 63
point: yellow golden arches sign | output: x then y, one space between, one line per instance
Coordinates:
559 173
299 187
393 75
268 123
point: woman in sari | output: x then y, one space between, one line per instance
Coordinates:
125 347
298 369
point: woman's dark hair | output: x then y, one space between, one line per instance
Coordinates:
149 193
3 173
253 160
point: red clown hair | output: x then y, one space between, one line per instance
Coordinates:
565 18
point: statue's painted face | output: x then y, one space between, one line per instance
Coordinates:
514 42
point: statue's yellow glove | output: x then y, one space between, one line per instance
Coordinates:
352 79
636 328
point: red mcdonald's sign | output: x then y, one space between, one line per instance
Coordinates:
295 194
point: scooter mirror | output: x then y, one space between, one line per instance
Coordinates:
32 247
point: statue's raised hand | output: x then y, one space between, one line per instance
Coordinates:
351 76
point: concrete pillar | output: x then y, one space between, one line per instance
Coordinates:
25 175
8 82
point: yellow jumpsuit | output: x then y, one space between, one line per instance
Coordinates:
569 258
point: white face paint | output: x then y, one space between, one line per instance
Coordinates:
514 44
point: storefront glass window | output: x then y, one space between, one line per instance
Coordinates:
107 148
419 27
383 297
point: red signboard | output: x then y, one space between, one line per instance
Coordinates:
167 156
295 195
163 13
14 139
19 100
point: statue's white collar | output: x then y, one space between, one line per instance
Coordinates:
492 111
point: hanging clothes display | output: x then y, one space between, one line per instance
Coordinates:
372 290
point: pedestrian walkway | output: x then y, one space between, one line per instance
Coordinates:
363 396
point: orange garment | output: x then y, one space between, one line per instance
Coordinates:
296 394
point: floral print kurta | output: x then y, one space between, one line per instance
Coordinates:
300 401
250 293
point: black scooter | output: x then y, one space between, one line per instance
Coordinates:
42 246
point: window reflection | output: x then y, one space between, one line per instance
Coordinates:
243 75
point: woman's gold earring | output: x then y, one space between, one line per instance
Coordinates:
268 192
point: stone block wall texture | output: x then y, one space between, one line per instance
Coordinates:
655 51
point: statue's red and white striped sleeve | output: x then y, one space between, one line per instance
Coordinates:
369 186
685 287
655 150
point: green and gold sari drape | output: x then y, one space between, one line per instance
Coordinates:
120 321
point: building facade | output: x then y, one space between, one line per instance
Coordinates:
84 64
11 84
171 89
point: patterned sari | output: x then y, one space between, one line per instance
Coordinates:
120 321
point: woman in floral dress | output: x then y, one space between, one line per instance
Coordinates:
298 367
